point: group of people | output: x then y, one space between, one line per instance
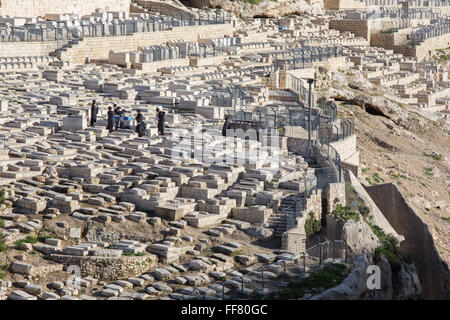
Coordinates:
116 119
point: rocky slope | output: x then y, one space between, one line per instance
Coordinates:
398 144
354 287
265 8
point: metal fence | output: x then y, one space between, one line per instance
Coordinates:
259 280
305 56
330 132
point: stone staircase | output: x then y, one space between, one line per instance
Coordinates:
325 176
281 221
68 45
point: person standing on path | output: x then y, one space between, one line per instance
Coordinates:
110 122
94 112
161 121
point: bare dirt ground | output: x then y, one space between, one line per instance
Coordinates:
417 160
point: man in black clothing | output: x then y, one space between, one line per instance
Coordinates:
116 110
110 123
139 117
161 121
121 118
94 112
226 126
140 128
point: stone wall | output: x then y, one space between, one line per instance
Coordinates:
36 8
294 241
426 48
358 27
98 48
314 204
387 40
164 8
299 133
109 268
343 4
347 149
27 49
332 192
375 215
355 169
434 275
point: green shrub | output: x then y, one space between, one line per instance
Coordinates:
329 276
312 225
364 210
351 196
3 269
376 178
428 171
3 246
342 213
443 58
28 239
44 238
433 155
391 250
137 254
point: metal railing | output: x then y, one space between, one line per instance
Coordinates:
257 281
328 132
305 56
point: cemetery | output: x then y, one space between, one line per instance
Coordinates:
202 209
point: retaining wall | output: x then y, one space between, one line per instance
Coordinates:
434 275
98 47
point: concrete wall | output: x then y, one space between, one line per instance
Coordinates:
434 275
35 8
